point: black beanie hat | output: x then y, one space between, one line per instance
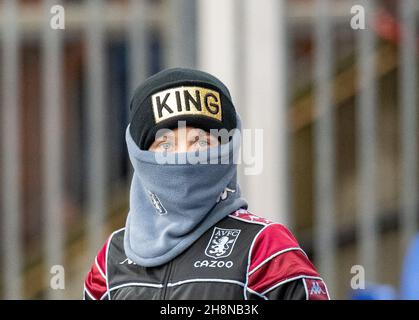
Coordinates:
172 95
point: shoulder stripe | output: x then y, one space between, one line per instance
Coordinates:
274 238
305 288
290 264
289 280
88 293
275 255
137 284
95 283
257 294
206 280
99 268
106 294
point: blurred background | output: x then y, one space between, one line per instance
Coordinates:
337 103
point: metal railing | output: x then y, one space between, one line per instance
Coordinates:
248 46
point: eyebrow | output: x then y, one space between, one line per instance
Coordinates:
164 136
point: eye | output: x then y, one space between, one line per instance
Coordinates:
165 145
201 142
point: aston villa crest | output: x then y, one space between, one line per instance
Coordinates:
222 242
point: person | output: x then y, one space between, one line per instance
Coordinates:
188 233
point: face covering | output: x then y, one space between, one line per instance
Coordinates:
172 205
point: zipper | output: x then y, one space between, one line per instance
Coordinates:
166 280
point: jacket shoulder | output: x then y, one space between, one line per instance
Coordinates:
96 284
275 258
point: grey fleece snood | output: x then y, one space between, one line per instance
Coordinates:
172 205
